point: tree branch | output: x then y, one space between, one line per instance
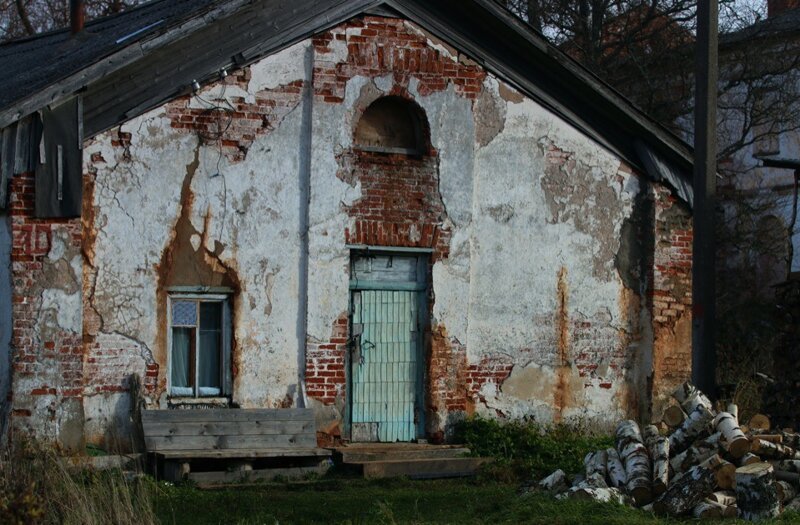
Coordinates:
23 16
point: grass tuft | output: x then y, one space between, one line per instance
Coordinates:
37 486
524 448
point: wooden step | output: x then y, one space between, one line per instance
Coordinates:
421 468
209 480
360 455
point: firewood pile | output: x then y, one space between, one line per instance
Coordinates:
698 461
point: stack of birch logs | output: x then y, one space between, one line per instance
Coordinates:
697 461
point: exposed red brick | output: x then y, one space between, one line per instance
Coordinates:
33 357
325 364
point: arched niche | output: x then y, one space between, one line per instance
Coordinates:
392 124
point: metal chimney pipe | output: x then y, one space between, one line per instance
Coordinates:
77 16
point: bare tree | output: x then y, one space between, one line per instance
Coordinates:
19 18
645 50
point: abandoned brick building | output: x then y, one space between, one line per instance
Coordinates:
393 212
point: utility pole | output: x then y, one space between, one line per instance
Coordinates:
704 355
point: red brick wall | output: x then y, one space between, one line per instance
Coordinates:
776 7
386 46
229 121
325 365
44 362
672 294
400 205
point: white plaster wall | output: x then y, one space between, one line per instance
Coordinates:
498 288
251 207
496 293
5 319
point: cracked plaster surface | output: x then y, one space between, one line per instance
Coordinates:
512 229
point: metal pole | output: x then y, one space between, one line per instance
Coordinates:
704 358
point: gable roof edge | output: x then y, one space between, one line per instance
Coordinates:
675 158
105 65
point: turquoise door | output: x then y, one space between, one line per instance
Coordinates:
385 361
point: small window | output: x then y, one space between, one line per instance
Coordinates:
199 346
391 125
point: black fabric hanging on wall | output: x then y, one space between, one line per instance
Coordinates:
59 171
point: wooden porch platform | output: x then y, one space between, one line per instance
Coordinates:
412 460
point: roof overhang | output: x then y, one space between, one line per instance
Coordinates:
146 72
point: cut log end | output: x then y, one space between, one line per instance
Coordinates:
673 416
749 459
641 495
739 447
759 421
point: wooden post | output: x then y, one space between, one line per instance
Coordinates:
698 452
724 471
704 360
733 437
708 509
673 416
725 497
748 459
595 464
768 449
658 447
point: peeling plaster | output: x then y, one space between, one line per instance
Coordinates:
279 69
530 277
138 201
490 113
5 320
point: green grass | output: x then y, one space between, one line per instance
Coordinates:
354 501
525 448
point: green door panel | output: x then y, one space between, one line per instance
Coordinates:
385 367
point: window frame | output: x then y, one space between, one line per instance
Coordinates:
225 345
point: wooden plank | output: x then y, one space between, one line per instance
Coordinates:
158 443
238 428
227 415
210 479
422 468
276 452
22 148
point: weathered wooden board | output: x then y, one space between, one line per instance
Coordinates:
157 443
208 479
239 428
227 414
273 452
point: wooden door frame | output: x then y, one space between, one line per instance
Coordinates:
421 287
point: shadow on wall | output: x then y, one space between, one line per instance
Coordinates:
5 321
